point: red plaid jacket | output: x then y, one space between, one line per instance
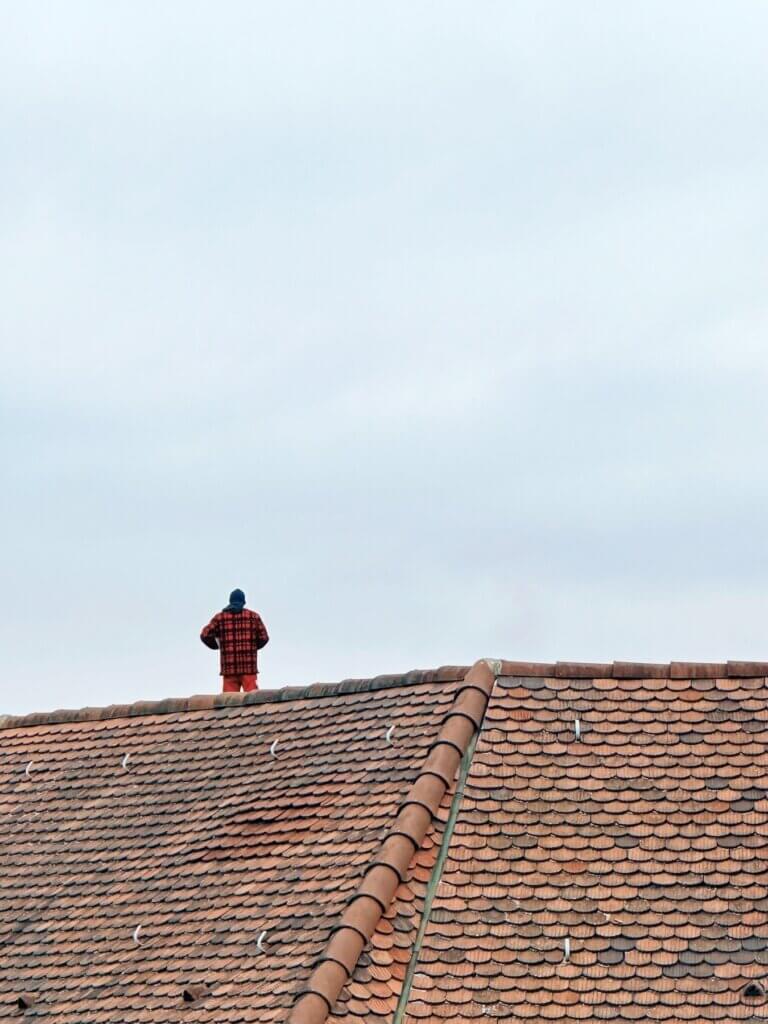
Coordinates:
238 635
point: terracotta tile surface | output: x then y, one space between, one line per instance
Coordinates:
386 881
376 987
334 980
202 839
644 843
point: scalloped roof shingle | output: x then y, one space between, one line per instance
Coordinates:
431 878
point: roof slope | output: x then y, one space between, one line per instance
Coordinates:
203 838
644 843
436 877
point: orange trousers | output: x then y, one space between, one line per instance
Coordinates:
233 684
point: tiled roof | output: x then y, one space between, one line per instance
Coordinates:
421 848
642 843
203 839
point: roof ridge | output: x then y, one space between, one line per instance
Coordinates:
446 673
336 964
637 669
209 701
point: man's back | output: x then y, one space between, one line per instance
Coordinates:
238 633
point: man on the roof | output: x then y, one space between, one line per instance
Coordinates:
238 633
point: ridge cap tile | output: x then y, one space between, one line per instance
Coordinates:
634 669
380 887
447 673
210 701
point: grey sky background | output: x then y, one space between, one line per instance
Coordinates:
440 328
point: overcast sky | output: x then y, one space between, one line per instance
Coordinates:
439 328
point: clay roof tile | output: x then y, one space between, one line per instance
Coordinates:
433 871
